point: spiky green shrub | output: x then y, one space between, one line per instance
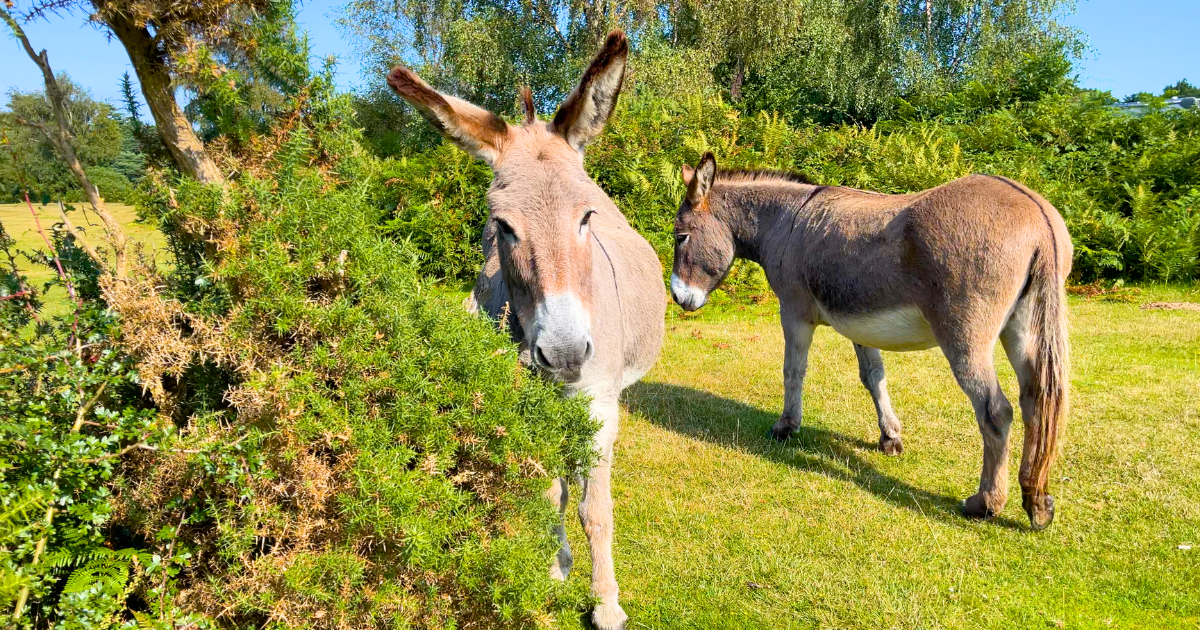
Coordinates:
355 449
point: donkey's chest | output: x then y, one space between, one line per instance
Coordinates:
896 329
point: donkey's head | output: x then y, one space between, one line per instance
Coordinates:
541 200
704 246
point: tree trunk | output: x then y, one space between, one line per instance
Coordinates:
155 77
735 86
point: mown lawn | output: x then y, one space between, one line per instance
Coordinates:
19 224
719 527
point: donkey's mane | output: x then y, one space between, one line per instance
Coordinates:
734 176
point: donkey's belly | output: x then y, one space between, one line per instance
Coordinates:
896 329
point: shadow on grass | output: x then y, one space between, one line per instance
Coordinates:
729 423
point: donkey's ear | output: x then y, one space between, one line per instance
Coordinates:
474 129
687 172
581 117
702 179
526 96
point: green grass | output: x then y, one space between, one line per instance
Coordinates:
19 224
718 527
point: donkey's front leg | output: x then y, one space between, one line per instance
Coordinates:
560 566
797 337
870 371
596 516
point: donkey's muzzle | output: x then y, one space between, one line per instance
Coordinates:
685 295
561 341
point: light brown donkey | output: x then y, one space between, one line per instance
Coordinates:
585 290
956 266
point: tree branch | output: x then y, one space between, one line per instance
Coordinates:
78 234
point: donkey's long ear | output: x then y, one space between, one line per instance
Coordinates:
581 117
702 178
474 129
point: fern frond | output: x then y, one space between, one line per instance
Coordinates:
17 516
107 573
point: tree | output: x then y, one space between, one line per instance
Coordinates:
151 56
1182 88
822 60
97 139
483 50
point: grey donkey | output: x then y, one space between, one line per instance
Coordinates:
959 266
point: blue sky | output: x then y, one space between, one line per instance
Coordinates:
1135 46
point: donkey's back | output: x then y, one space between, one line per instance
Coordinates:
892 256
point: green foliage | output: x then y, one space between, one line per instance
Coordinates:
101 139
1181 88
16 521
440 207
1127 186
830 62
240 90
70 404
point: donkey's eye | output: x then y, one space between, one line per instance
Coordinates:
505 228
583 223
680 239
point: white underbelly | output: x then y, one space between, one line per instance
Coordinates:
896 329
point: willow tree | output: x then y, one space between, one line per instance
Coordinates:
483 50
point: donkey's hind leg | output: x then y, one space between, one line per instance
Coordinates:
1022 354
976 374
870 371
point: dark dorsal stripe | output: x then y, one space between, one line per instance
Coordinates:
1045 217
762 175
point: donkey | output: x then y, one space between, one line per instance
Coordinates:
580 290
955 266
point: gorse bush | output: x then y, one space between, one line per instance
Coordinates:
290 427
354 449
1127 186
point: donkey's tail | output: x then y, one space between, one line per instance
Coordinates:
1050 384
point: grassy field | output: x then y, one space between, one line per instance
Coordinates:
718 527
19 224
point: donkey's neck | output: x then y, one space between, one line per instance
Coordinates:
755 212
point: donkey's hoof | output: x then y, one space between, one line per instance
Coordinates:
891 446
783 429
976 507
609 617
1040 509
560 566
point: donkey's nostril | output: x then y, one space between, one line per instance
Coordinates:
539 357
587 350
